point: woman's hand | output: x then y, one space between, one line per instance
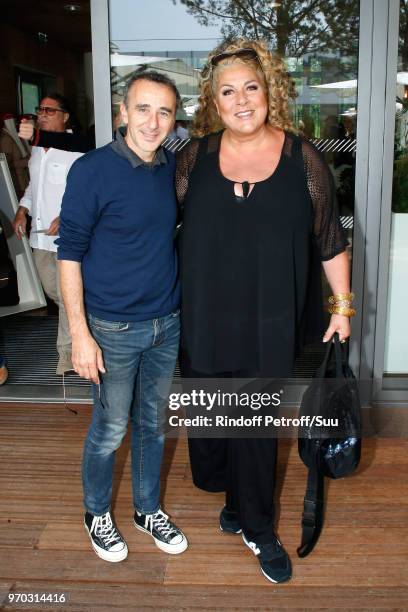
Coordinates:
339 324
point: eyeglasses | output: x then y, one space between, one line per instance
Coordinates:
48 110
243 53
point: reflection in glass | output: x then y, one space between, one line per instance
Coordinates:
396 342
30 93
317 38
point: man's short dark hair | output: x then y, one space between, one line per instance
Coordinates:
61 100
153 77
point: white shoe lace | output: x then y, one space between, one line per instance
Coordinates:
160 521
104 528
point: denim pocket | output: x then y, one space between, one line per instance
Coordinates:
108 326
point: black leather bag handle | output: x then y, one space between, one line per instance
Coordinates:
313 503
339 358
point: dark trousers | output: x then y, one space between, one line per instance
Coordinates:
244 468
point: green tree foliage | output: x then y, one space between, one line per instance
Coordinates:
292 27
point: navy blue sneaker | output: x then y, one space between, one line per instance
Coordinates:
273 559
229 521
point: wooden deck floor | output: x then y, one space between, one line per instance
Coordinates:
360 563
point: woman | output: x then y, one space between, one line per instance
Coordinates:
259 207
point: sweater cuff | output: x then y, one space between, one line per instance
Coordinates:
26 203
67 255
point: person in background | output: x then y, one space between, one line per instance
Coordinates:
42 200
180 130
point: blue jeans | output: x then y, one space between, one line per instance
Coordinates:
139 359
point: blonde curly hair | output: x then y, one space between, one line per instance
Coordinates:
279 87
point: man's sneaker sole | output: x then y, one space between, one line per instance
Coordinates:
266 575
114 557
172 549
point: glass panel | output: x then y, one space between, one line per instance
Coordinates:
30 94
396 340
318 39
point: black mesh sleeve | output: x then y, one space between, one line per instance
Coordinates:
185 161
329 234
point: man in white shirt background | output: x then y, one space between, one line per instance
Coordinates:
42 201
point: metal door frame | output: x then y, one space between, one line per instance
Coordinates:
378 61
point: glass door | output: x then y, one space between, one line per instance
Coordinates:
396 338
318 40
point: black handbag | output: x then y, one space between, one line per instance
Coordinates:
333 450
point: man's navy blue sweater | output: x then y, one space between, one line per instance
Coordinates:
118 221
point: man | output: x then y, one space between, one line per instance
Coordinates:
42 200
119 282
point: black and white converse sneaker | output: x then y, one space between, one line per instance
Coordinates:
167 536
106 539
273 558
229 521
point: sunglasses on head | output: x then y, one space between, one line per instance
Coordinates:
48 110
243 53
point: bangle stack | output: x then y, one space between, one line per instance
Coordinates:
342 304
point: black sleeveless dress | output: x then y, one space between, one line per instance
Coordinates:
250 267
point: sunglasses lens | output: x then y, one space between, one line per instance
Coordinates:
47 110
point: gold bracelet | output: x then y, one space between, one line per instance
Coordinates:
342 310
346 303
338 297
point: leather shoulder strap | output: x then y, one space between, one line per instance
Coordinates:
313 509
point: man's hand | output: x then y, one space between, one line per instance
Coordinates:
26 129
20 222
87 358
54 227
